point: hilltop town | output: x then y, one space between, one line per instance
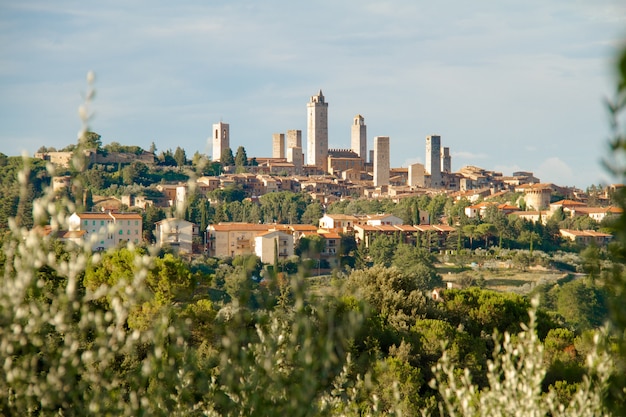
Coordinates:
237 246
202 203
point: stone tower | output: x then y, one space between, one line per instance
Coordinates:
278 145
433 160
359 137
317 132
294 139
381 161
446 160
221 139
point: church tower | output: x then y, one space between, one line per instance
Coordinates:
221 139
317 132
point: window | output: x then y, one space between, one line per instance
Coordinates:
121 232
128 233
93 223
101 222
136 222
136 232
86 222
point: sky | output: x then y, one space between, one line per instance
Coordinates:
508 85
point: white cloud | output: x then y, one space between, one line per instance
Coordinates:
556 171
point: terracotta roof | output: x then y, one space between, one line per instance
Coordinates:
366 227
567 203
341 216
444 228
127 216
406 228
590 233
302 227
610 209
226 227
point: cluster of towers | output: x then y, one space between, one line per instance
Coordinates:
431 173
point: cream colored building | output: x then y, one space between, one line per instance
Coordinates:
416 175
278 145
233 239
106 230
273 244
177 233
332 221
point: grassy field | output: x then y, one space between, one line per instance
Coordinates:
512 280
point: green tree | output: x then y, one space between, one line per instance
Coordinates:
241 158
180 156
470 231
418 265
227 158
312 214
382 249
91 140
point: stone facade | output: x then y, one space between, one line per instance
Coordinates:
433 160
278 145
317 131
381 161
359 137
416 175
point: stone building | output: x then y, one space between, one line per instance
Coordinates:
317 131
381 161
433 160
359 137
278 145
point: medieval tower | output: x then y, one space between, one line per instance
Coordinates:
278 145
359 137
317 132
433 160
381 161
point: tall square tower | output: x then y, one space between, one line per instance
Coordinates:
381 161
294 139
317 131
359 137
446 160
278 145
433 160
221 139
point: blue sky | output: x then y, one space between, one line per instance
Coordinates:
509 85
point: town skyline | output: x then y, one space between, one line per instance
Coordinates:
506 88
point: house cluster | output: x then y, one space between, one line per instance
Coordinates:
104 230
535 198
